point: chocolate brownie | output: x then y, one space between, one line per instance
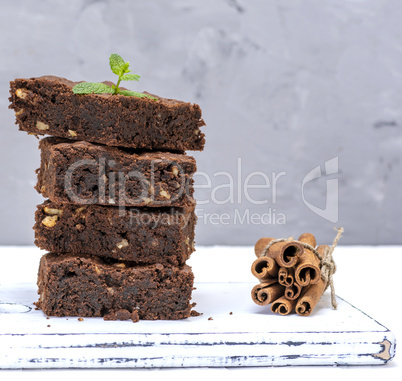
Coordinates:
87 286
144 235
85 173
48 106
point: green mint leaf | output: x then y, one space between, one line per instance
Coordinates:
120 68
117 64
125 68
129 93
130 77
91 88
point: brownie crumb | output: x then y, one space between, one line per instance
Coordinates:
122 315
210 318
195 313
230 313
47 317
48 325
80 319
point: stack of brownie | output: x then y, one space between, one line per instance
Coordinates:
119 219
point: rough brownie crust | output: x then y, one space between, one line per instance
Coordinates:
143 236
47 105
87 286
85 173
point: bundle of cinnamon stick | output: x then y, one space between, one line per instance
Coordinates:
293 274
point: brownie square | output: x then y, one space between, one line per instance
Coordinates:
48 106
143 235
85 173
88 286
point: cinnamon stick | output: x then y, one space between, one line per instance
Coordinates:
264 268
261 244
308 238
293 292
312 294
285 276
309 299
308 268
283 306
286 254
265 293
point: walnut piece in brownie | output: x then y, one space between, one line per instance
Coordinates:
88 286
85 173
48 106
143 235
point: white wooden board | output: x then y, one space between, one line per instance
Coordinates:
250 336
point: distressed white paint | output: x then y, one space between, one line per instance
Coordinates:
250 336
273 340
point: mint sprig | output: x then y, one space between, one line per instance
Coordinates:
92 88
120 68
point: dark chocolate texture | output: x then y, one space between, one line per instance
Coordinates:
48 106
138 235
88 286
85 173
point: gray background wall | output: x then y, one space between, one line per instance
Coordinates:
284 86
